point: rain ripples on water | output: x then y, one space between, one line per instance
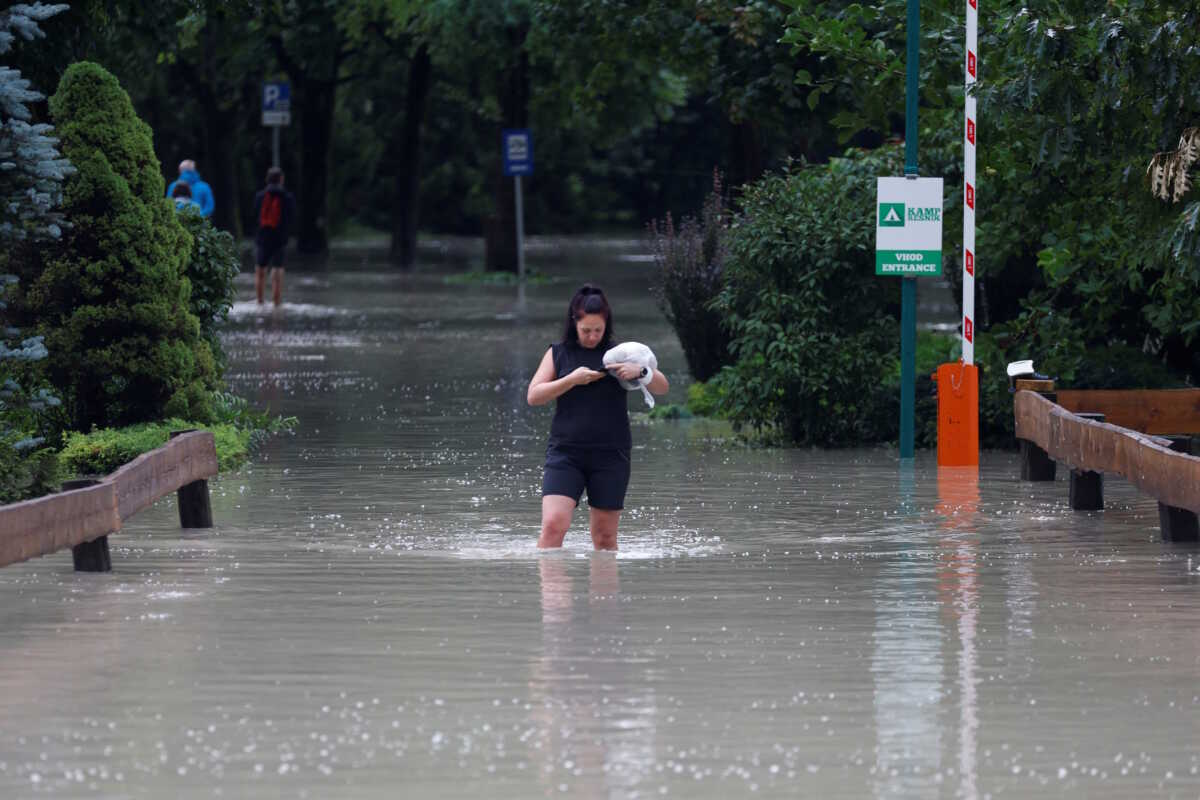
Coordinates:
370 617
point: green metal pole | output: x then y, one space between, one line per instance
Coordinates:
908 286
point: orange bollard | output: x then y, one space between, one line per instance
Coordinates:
958 415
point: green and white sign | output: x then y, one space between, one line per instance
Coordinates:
908 227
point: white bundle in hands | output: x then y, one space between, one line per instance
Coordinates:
635 353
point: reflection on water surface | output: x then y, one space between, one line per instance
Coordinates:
371 618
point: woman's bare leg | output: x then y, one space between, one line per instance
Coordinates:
604 528
556 518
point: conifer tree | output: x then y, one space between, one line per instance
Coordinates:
31 176
111 296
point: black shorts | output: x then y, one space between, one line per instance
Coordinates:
604 473
268 250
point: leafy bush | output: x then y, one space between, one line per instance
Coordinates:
237 429
111 297
691 264
107 449
704 399
230 409
211 269
813 330
669 411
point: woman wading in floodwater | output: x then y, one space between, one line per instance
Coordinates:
589 437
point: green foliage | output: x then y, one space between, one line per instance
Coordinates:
31 179
26 469
812 328
237 429
532 277
231 409
704 399
669 411
111 298
33 172
691 265
106 449
211 269
1075 255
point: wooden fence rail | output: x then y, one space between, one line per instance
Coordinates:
1155 411
84 517
1091 447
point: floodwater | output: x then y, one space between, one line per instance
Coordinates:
370 618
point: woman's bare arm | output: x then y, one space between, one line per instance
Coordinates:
543 387
631 371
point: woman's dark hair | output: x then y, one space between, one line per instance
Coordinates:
181 190
588 300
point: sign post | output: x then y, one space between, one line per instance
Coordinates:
276 112
518 161
908 286
908 244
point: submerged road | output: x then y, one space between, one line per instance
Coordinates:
370 618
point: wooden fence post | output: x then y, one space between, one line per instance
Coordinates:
1179 524
1087 487
195 507
90 556
1036 464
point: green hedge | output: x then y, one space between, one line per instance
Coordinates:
106 449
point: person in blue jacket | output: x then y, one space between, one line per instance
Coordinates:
201 191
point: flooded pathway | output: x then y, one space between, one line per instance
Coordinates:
370 618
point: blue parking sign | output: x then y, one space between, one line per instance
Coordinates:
518 152
276 103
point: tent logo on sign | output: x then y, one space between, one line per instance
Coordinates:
891 215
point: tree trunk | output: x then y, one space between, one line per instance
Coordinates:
221 114
747 155
408 179
219 171
500 230
315 102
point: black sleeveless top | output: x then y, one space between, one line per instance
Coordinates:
595 415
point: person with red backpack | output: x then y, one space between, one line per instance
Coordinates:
274 210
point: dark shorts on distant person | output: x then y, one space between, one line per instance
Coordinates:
603 473
268 249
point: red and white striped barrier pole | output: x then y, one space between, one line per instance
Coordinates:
958 384
969 145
